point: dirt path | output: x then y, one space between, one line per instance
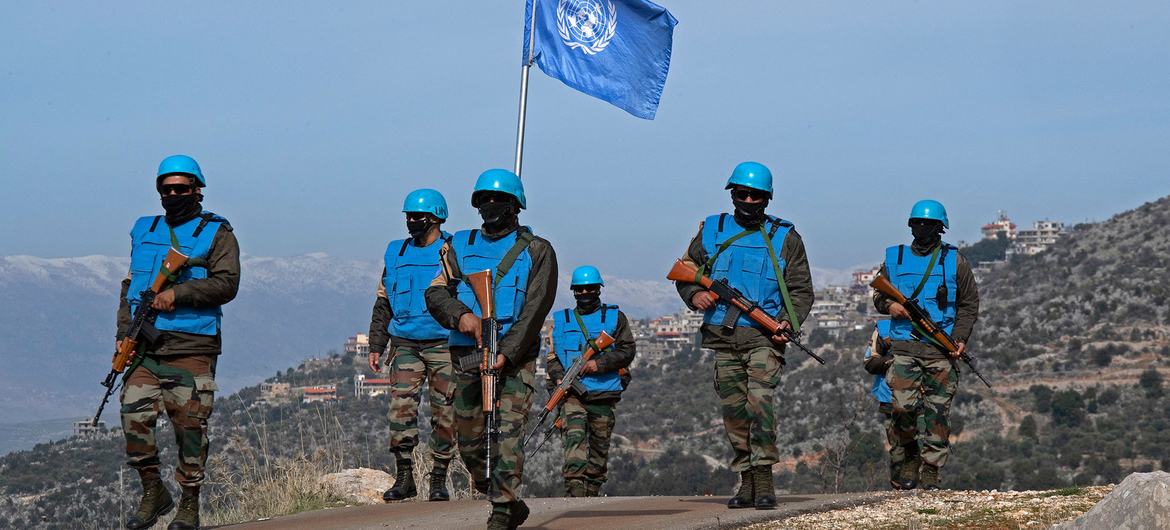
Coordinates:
595 513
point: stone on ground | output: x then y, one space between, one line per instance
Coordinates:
362 485
1141 501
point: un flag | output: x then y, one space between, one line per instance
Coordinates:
614 50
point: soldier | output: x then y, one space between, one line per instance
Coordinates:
177 372
418 345
588 411
525 270
763 257
924 378
878 360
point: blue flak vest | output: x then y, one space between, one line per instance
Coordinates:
746 264
906 271
570 344
880 390
475 253
409 271
150 240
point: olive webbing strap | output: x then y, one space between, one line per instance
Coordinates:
523 239
926 276
780 282
585 332
723 246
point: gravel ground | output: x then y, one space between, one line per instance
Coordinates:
954 509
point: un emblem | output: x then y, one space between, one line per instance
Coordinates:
586 25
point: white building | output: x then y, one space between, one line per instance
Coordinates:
358 345
1042 235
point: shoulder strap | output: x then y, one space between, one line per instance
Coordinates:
925 276
523 239
155 223
585 332
405 243
722 246
787 299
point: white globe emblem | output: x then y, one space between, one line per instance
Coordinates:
586 25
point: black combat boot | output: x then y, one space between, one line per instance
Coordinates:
765 493
746 496
404 487
575 487
439 482
188 516
517 514
156 502
501 517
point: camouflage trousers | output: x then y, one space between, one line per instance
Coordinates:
515 394
184 385
923 391
408 368
588 427
901 454
746 384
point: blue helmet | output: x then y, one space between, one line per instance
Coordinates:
586 275
426 201
930 209
181 165
752 175
500 180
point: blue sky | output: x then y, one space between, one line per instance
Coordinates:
313 121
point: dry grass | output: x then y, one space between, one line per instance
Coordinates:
986 510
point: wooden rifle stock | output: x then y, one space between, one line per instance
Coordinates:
883 285
603 341
481 285
127 347
687 273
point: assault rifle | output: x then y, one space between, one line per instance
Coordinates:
141 327
484 288
687 273
570 380
924 324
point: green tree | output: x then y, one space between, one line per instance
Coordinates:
1151 382
1068 408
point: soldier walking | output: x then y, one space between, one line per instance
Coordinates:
588 410
763 257
417 345
524 267
924 377
176 372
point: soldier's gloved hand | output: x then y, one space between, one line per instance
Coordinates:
470 325
703 300
164 301
375 364
781 339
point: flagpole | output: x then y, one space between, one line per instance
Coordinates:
524 90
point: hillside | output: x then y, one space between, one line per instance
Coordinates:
1074 340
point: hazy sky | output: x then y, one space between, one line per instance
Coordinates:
312 121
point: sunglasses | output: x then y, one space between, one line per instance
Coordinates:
743 195
175 189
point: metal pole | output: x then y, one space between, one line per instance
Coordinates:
520 124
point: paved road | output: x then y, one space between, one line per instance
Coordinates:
647 513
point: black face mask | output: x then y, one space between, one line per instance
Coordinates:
749 215
418 229
497 216
182 208
587 302
926 235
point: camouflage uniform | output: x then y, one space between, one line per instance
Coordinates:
516 390
587 431
748 365
922 388
408 368
746 380
183 385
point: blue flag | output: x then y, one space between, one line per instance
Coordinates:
614 50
